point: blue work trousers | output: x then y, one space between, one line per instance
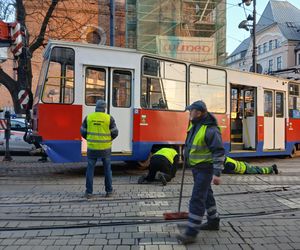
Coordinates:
202 199
90 174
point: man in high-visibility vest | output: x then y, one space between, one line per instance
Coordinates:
232 166
204 153
163 165
99 129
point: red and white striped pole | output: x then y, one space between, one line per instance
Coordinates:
17 39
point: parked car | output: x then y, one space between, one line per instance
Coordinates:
16 142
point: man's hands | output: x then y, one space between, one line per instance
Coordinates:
216 180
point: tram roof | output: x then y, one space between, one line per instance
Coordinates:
52 43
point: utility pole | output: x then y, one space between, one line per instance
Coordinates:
244 25
254 52
112 23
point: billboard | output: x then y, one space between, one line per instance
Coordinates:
196 49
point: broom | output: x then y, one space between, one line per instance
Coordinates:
178 215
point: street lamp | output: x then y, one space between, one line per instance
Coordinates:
244 25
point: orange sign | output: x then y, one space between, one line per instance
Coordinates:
196 49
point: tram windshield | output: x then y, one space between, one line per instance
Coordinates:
59 80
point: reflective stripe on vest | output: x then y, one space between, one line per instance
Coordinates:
169 153
239 166
199 152
98 132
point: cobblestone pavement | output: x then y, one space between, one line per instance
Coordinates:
42 207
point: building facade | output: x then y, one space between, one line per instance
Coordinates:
277 42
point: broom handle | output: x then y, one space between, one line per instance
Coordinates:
181 187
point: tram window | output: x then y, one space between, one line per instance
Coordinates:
268 104
208 85
213 96
294 101
279 105
163 94
216 77
95 81
249 103
59 82
121 89
198 74
175 71
151 67
163 85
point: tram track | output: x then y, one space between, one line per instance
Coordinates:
103 200
286 214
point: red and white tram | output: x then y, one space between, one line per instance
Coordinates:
147 96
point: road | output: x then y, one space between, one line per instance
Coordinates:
42 207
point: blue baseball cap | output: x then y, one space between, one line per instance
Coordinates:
198 105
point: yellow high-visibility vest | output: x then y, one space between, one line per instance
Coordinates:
199 152
98 132
239 166
169 153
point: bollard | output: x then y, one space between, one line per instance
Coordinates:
7 156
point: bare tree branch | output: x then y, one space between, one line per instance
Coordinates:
40 39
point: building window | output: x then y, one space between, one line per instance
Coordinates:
265 48
279 63
270 65
298 58
276 43
270 45
259 49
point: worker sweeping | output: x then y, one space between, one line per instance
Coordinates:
232 166
163 166
204 153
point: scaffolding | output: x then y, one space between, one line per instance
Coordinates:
192 30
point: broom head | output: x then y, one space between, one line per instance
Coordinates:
175 215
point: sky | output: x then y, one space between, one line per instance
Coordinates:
236 14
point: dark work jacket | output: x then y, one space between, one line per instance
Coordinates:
114 133
213 140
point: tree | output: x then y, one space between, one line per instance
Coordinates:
41 19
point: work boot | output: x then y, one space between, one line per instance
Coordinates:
186 239
109 194
211 225
275 169
88 195
162 178
142 179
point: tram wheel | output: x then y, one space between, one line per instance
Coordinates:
293 153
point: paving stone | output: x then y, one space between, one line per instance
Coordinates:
95 247
42 190
123 248
11 248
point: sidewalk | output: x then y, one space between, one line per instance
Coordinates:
42 207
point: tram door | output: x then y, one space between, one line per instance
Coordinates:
243 118
274 120
115 87
121 103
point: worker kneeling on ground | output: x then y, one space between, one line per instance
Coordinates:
163 166
232 166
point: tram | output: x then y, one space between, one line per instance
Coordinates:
147 96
